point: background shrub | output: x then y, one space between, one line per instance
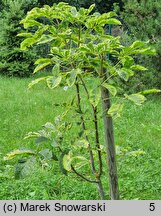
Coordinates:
13 61
141 21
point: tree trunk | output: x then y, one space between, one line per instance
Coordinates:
101 190
110 145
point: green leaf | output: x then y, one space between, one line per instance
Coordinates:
115 110
29 23
45 39
25 34
150 91
82 143
53 82
110 14
127 61
41 66
137 44
73 74
91 8
111 88
74 12
16 152
55 50
125 73
54 144
27 43
56 70
43 60
47 154
79 161
61 164
67 160
138 67
95 96
49 125
32 135
34 82
113 21
85 49
138 99
41 139
145 51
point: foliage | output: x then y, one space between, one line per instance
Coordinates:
143 19
13 61
79 49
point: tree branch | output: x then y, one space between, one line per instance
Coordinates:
83 177
96 129
84 128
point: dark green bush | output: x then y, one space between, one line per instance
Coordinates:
13 61
143 21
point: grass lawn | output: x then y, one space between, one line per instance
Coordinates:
137 137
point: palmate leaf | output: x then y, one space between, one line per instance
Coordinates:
16 152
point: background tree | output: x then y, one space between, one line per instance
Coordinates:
143 21
101 5
13 61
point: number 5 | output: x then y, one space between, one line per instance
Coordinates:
152 207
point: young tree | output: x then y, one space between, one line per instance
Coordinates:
78 56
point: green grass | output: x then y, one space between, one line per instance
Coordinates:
23 110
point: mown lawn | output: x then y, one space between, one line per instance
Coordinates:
137 136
